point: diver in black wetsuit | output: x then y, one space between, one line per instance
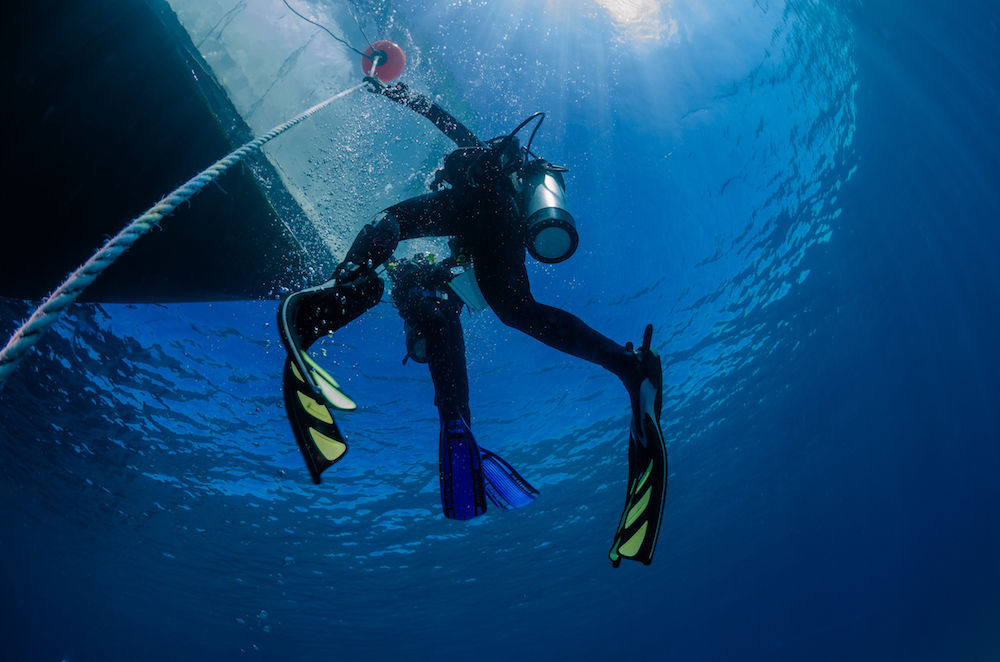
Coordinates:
480 202
487 223
427 296
430 310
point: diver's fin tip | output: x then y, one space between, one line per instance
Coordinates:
505 487
316 433
645 495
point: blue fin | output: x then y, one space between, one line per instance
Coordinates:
462 493
506 488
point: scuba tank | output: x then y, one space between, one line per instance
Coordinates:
549 229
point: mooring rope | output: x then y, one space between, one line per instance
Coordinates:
47 313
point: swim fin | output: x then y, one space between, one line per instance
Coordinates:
470 474
307 315
320 440
506 488
463 495
327 385
639 526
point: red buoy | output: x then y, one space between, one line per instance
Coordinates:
395 60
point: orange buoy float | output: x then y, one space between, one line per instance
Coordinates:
392 59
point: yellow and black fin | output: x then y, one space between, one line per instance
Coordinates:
317 434
326 384
639 526
307 315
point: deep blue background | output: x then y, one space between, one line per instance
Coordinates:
815 242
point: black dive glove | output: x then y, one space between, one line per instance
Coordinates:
400 93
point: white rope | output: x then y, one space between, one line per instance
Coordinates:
47 313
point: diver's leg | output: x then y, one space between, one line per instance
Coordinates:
308 314
468 471
432 215
503 280
463 490
504 283
446 360
438 323
372 247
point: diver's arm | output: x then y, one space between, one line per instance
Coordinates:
422 105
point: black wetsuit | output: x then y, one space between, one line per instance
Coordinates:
487 225
430 311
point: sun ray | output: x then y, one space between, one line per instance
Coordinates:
641 20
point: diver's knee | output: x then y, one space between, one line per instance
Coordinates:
375 243
515 316
531 318
383 230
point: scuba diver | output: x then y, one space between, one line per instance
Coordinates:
496 200
429 296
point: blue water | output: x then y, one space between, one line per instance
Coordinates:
803 200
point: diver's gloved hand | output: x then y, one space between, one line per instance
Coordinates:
374 85
349 274
646 366
397 92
